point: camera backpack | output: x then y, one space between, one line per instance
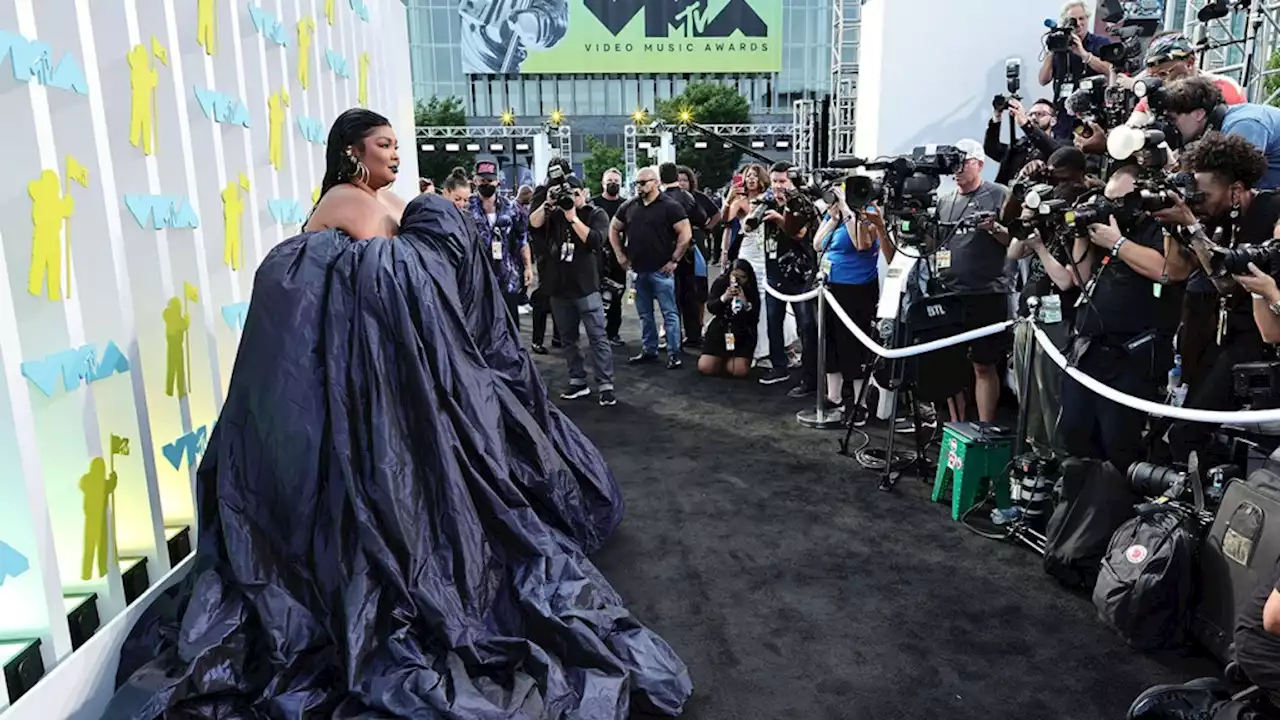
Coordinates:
1145 588
1240 553
1094 500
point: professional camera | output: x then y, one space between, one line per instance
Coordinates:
1096 102
1154 481
1058 39
558 190
909 187
1013 81
1125 55
1235 261
787 202
756 216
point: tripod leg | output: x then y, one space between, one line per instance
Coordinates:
886 479
860 402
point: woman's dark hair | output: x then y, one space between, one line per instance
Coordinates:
351 128
1230 157
686 171
458 178
749 289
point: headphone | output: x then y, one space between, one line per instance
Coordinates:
1214 118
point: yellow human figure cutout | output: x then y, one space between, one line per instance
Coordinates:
206 24
97 486
362 94
176 323
143 80
232 209
49 209
275 111
306 28
330 11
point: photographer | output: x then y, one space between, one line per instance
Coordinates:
610 200
1118 326
687 294
1037 142
570 233
1170 58
1076 61
658 235
1227 168
790 265
971 263
1196 105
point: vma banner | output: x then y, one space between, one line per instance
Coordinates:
621 36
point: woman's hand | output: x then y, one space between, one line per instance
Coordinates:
1260 283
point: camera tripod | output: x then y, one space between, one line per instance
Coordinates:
894 372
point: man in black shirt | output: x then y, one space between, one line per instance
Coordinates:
1117 331
1036 143
1257 636
694 304
658 236
686 293
609 201
1227 169
571 237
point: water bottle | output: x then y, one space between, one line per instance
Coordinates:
1175 375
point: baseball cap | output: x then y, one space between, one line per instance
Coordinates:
1168 47
575 182
487 169
972 149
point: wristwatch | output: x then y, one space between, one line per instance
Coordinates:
1274 308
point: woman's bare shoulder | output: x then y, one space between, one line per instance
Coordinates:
348 209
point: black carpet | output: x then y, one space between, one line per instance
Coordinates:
794 589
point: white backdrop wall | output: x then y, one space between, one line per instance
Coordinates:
928 68
144 140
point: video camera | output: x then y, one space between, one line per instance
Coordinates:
558 190
908 188
1125 55
1058 39
1096 102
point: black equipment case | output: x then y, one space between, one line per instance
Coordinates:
1240 552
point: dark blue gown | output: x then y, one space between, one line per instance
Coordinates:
393 518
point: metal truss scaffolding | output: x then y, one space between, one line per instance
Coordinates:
559 137
804 148
1240 44
631 134
844 76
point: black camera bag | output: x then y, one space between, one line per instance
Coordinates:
1093 501
1145 589
1240 553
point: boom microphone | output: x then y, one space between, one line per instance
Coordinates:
848 163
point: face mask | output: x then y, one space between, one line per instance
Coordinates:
612 189
487 191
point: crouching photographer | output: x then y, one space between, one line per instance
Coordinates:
1234 251
1120 321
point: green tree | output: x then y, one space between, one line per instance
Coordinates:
1271 83
602 158
441 112
707 104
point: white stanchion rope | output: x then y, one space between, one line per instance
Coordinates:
802 297
912 350
1216 417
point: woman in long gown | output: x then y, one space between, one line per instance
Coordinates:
393 519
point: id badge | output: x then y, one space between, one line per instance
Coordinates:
826 266
943 259
729 343
566 252
771 249
495 249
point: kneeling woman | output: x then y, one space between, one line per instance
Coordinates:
730 340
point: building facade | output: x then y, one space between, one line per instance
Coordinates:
600 103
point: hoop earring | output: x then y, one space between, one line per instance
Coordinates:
358 170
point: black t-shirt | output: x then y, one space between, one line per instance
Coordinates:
1257 650
1257 226
1124 303
607 205
651 233
571 266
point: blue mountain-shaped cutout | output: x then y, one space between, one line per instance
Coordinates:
12 562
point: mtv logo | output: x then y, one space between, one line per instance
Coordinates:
165 211
222 108
33 59
337 64
235 314
271 28
312 130
696 18
73 366
361 10
287 212
191 445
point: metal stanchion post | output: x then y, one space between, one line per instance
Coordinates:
821 418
